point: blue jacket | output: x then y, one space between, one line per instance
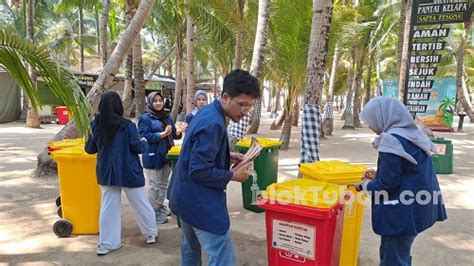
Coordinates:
118 165
198 183
150 128
401 214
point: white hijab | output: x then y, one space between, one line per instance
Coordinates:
389 116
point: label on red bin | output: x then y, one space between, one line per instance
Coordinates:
296 240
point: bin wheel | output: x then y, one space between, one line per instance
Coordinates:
60 212
62 228
58 201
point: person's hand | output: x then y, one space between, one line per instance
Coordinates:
369 174
358 187
181 127
242 173
236 158
167 132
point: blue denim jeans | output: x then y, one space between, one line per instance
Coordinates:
219 248
395 250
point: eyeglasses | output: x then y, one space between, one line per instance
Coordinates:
244 107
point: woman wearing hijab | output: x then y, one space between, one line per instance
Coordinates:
199 100
117 143
406 198
157 127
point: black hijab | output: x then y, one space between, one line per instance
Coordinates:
110 118
160 115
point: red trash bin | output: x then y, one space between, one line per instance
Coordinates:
63 115
302 235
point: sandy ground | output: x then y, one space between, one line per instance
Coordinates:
28 211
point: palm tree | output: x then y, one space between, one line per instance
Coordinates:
461 91
32 117
316 65
239 36
403 57
103 31
256 68
190 56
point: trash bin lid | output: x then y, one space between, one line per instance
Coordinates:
76 152
266 143
333 171
56 145
174 151
305 192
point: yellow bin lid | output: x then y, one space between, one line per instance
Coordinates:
174 151
305 192
76 152
56 145
266 143
333 171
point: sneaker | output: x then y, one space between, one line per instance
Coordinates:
151 239
164 210
102 250
160 218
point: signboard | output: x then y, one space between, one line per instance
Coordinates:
425 51
294 238
432 100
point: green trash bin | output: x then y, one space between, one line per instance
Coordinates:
443 159
265 171
172 157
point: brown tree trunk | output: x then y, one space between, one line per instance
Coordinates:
157 65
81 37
127 97
269 102
277 123
328 122
461 90
103 31
296 113
276 106
138 77
285 135
179 79
239 36
97 28
32 118
368 83
348 111
190 75
404 55
357 88
258 57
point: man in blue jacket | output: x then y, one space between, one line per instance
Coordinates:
197 191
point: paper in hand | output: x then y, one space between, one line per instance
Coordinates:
251 154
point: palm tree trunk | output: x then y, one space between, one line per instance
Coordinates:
179 79
190 75
278 122
32 118
378 72
269 102
328 122
103 31
127 97
401 33
169 67
285 135
316 66
462 99
258 56
105 78
138 75
276 106
403 57
348 111
296 113
97 28
357 87
368 87
239 36
81 37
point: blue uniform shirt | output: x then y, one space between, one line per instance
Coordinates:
400 213
118 165
150 128
197 188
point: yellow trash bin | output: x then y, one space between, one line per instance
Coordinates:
80 193
65 143
342 173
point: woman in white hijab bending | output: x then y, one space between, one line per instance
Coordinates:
406 198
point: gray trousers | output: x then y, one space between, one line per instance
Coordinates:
158 180
110 223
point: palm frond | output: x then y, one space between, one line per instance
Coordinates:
14 49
